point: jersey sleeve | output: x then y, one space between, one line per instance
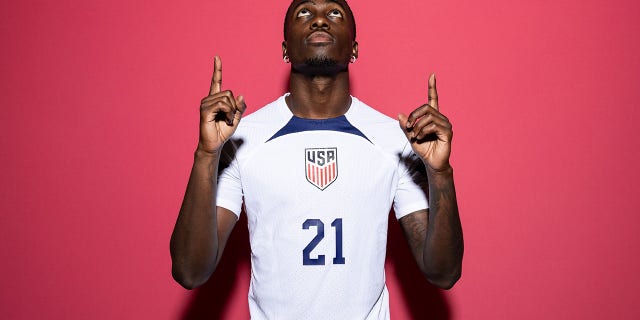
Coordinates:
229 192
413 188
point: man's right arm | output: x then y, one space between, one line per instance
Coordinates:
202 228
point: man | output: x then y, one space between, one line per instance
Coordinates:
318 171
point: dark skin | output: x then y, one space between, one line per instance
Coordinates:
317 30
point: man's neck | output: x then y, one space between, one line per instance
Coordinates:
319 97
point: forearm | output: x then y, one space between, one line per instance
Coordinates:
194 242
444 244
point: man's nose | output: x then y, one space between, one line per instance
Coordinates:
320 23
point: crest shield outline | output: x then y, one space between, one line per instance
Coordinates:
321 166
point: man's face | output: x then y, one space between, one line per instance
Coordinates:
319 31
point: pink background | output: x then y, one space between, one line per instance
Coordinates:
99 124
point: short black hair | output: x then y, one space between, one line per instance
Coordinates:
347 8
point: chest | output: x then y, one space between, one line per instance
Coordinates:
317 165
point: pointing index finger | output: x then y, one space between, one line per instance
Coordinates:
216 82
433 93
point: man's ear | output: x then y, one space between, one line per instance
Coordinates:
284 49
354 50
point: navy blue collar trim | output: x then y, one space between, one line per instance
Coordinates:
340 124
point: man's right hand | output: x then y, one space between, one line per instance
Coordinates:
220 113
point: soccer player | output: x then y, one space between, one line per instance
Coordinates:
318 172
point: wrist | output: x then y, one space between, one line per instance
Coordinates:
445 171
205 154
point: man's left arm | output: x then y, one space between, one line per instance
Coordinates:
435 234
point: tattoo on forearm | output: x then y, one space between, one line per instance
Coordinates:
445 228
414 227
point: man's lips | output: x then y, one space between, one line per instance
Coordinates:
319 37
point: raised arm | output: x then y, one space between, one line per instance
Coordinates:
434 235
202 229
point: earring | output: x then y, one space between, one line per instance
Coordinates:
353 59
286 59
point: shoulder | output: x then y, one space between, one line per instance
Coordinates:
264 122
364 112
269 114
381 129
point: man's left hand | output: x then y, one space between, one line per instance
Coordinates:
429 131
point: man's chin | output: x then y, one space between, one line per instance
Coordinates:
321 65
321 62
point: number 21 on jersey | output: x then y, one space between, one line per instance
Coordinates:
319 226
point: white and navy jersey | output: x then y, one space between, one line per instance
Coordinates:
317 194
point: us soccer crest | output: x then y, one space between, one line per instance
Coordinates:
321 166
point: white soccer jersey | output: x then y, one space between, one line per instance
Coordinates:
317 194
